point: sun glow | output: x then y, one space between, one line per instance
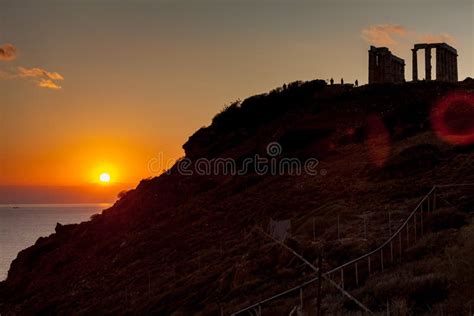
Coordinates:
104 172
104 177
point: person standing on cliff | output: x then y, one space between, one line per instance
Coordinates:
331 81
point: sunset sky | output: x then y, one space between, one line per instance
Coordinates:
88 87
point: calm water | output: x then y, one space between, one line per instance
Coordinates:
22 225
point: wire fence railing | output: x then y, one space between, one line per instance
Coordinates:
355 272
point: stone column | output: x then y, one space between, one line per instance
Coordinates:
414 65
444 65
451 67
455 67
428 63
439 72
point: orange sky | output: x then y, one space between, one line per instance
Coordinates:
90 88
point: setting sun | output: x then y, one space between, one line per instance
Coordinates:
104 178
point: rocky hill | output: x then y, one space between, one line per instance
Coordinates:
186 243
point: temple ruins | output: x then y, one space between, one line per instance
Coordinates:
384 67
446 62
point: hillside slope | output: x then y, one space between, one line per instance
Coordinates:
186 244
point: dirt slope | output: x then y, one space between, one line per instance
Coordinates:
184 245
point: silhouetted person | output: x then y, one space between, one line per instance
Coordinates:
342 80
331 81
284 86
357 83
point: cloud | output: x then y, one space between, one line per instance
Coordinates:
437 38
49 84
394 35
7 52
43 78
384 34
38 73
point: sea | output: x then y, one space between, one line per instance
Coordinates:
22 224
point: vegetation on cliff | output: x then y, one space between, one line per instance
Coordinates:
185 244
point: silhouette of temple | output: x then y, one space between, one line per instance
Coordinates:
384 67
446 62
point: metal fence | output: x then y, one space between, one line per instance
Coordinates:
354 272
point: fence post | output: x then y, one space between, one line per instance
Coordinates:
421 218
400 244
391 251
320 280
408 234
301 297
381 258
357 274
369 263
428 204
414 222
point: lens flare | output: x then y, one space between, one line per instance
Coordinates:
452 118
378 141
